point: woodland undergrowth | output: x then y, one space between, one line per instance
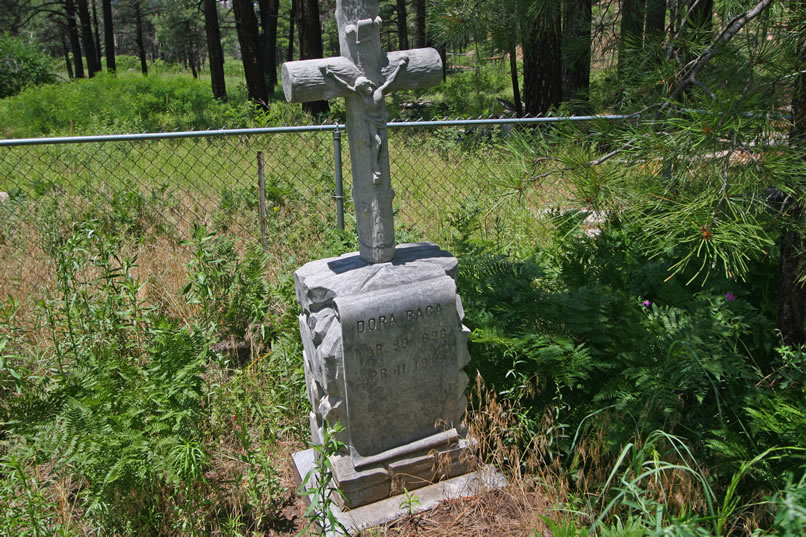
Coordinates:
632 404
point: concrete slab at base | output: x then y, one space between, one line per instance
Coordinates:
388 510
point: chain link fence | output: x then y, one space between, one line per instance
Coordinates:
451 178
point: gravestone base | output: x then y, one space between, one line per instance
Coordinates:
395 507
416 465
384 348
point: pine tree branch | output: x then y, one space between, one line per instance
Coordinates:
610 155
690 71
705 88
670 47
723 190
693 68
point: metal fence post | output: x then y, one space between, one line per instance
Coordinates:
262 201
339 186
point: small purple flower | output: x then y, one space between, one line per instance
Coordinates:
646 303
730 297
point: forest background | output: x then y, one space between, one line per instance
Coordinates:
641 373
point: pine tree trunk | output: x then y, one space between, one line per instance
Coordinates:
419 24
269 10
138 38
577 47
443 56
97 33
109 36
333 42
655 24
214 50
631 33
67 63
249 39
292 18
695 25
402 26
310 44
542 62
86 37
798 133
792 292
190 50
655 29
72 31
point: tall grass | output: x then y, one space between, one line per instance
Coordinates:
132 405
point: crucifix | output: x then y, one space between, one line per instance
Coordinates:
363 75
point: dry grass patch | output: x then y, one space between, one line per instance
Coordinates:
507 512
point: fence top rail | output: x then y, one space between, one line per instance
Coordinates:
300 128
165 135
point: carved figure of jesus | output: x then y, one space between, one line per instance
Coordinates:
363 74
373 108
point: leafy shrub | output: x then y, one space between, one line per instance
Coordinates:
26 508
122 408
129 102
790 503
126 102
131 396
279 113
592 332
124 62
232 293
22 65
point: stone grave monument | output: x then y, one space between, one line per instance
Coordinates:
384 344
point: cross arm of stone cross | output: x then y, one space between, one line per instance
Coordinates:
306 80
363 85
363 74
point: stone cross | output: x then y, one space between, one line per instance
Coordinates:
363 75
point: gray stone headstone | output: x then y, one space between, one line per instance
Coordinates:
384 348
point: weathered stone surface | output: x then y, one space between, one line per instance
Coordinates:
400 362
439 441
304 80
318 282
384 346
411 470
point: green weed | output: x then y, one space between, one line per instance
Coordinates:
790 504
410 501
123 410
318 487
232 293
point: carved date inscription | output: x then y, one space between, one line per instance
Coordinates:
400 362
423 360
